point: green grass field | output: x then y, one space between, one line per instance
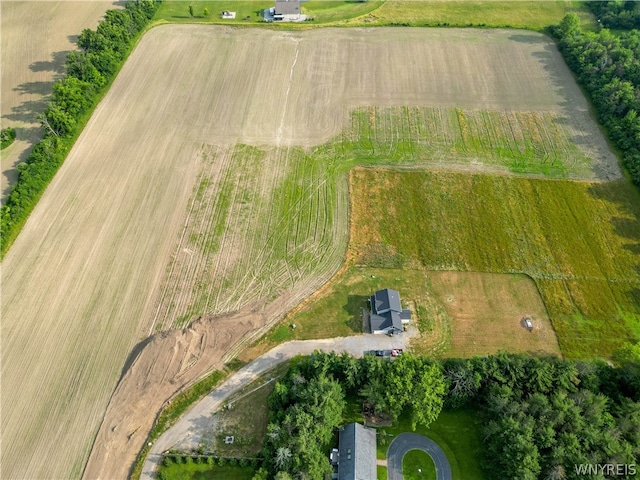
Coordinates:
578 241
534 15
456 432
195 471
418 465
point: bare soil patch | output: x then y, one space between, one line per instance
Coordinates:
95 254
35 39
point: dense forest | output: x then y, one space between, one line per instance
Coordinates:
607 65
542 416
88 73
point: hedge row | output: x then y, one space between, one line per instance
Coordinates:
89 72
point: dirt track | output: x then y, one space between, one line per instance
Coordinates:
81 283
35 39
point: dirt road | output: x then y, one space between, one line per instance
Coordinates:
185 434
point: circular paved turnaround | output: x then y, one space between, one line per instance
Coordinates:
412 441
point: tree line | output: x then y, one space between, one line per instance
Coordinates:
542 416
88 72
607 65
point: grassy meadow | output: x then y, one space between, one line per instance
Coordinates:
578 241
533 15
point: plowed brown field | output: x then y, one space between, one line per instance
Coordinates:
35 38
83 281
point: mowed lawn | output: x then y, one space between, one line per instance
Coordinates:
578 241
457 432
458 314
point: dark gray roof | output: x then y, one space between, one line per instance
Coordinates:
386 300
405 315
357 453
287 7
386 320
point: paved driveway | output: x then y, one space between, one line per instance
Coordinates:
187 431
412 441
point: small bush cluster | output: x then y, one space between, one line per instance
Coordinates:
88 73
7 136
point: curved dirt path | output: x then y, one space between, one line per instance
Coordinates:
186 432
405 442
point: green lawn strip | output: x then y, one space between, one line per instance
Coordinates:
457 432
382 472
345 301
203 471
578 241
418 465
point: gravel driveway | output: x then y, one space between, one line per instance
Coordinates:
187 432
412 441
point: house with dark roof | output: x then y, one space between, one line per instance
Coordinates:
387 314
357 453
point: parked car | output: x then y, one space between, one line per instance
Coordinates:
396 352
378 353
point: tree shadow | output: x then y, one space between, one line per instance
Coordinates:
354 307
56 64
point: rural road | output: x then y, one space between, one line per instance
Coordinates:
412 441
186 433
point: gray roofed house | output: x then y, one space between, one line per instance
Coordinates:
357 453
387 314
287 7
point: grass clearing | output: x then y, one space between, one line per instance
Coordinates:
418 465
577 241
195 471
457 432
246 419
459 314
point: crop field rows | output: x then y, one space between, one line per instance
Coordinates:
526 142
260 222
576 240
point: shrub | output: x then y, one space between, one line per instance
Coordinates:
7 136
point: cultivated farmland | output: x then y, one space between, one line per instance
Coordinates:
36 37
212 177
